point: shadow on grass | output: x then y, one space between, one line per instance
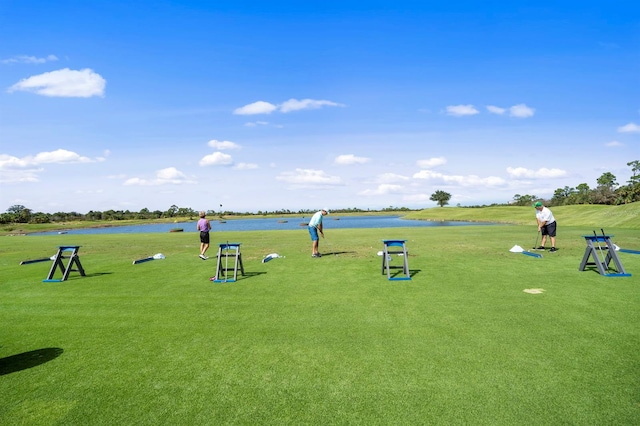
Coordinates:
96 274
397 275
241 277
25 360
335 253
76 277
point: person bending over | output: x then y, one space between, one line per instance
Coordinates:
315 227
546 225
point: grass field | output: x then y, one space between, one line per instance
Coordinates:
321 341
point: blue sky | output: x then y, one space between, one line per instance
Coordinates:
289 105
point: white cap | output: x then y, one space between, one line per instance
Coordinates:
326 210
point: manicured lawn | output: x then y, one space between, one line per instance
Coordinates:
320 341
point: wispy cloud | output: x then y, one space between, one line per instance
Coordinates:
304 178
383 189
256 123
167 176
613 144
391 178
461 110
521 172
468 180
65 83
521 111
259 107
629 128
25 59
262 107
245 166
216 159
297 105
517 111
59 156
223 145
348 159
431 162
496 110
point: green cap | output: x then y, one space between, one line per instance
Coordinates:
537 204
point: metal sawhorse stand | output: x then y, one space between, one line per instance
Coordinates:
227 250
602 265
386 257
74 259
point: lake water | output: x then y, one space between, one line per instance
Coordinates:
269 224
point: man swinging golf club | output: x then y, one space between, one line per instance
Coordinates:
546 226
315 227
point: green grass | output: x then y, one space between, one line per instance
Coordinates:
623 216
322 341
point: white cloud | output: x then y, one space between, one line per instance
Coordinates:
469 180
629 128
59 156
496 110
222 145
259 107
167 176
521 111
262 107
383 189
301 178
170 174
64 83
348 159
521 172
11 162
431 162
245 166
256 123
614 144
296 105
9 175
461 110
216 159
25 59
391 178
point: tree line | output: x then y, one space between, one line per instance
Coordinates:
21 214
607 191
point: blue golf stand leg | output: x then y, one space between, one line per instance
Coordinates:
601 262
74 260
398 247
227 250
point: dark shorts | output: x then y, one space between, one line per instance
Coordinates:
549 229
204 237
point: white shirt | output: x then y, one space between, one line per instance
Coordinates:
545 216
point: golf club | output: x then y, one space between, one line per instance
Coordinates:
330 246
44 259
604 238
599 248
535 246
157 256
327 241
226 262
